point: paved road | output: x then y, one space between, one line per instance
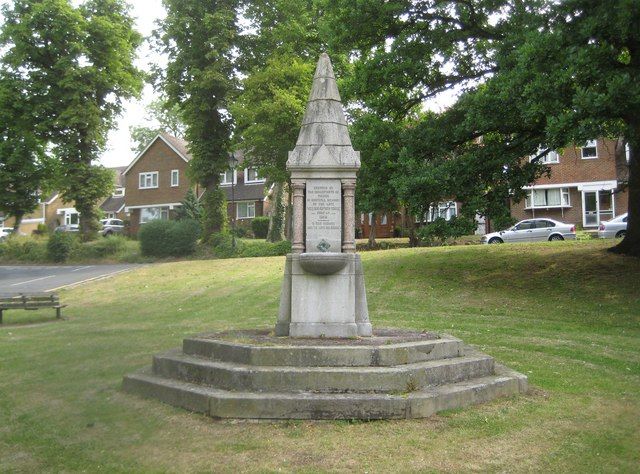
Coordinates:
36 278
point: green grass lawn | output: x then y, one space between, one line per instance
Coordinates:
566 314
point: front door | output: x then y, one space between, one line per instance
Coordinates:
598 206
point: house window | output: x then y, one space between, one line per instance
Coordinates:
153 213
627 152
118 192
548 158
589 151
557 197
227 176
149 180
246 210
251 176
383 221
370 218
362 218
175 177
71 218
445 210
111 215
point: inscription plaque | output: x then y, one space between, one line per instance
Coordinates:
323 215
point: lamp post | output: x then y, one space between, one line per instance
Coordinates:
233 162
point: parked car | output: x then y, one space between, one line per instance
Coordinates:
616 227
111 226
532 230
67 228
5 232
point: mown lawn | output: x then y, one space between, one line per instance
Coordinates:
566 314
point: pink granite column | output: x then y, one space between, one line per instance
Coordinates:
298 216
349 216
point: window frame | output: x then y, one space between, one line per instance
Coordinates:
151 175
248 204
252 181
590 144
164 214
223 178
543 159
175 173
529 201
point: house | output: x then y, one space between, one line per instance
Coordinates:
582 188
245 192
51 211
156 181
113 206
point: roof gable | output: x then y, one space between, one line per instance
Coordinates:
177 145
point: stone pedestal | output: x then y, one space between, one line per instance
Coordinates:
315 303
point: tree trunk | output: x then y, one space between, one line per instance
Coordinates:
88 224
411 226
278 214
372 231
18 220
630 245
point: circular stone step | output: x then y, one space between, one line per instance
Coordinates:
385 348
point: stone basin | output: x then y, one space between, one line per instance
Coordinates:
323 263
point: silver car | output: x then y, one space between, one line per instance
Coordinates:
616 227
533 230
111 226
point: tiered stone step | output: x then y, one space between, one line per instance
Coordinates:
395 374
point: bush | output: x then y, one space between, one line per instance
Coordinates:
41 230
260 227
60 245
441 229
105 247
169 238
23 249
222 244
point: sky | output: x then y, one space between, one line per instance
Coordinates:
118 152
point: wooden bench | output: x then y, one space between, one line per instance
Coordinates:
31 301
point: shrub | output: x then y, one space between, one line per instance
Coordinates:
41 230
101 248
222 243
260 226
23 249
214 212
442 229
169 238
60 245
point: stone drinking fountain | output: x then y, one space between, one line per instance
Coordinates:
323 361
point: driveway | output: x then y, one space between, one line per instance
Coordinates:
38 278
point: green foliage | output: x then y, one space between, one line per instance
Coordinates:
160 117
60 246
76 90
214 213
544 75
190 207
265 249
441 229
260 227
42 229
278 214
101 248
161 238
224 245
23 249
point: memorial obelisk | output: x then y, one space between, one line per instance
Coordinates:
323 292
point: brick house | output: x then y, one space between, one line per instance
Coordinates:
113 206
245 192
156 181
51 210
582 188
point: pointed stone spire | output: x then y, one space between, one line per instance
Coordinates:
324 137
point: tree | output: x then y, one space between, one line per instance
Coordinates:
379 142
190 208
78 67
534 73
161 117
200 39
268 114
278 53
23 165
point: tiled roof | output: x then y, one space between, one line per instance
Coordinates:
119 172
245 192
112 204
179 144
